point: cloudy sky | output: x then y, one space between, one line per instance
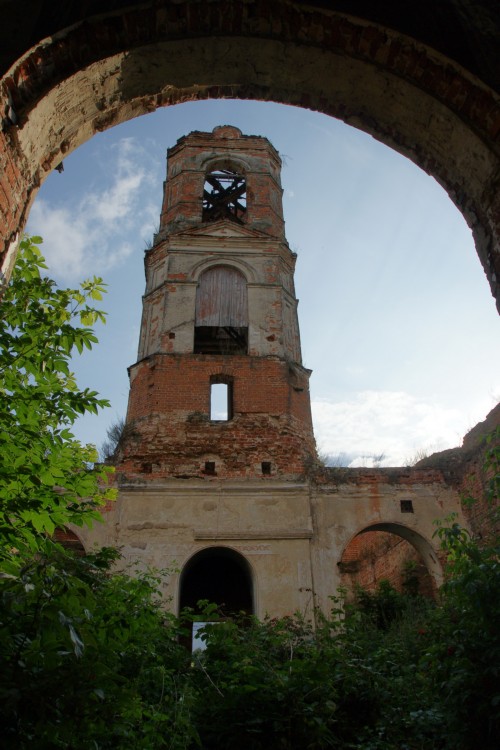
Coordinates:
397 321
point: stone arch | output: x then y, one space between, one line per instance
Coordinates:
244 268
230 162
426 553
220 574
108 69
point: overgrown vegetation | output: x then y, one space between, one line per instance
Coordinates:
44 470
92 660
116 433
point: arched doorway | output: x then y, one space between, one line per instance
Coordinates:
393 553
220 576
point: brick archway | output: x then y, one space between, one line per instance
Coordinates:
108 69
368 543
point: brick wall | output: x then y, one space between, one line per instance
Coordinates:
169 412
376 555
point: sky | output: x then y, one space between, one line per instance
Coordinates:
397 320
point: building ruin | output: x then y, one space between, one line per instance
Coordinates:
226 488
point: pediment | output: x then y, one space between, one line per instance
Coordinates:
224 228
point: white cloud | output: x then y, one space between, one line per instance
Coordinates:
393 423
93 235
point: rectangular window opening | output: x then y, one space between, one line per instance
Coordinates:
266 468
210 468
406 506
220 402
220 340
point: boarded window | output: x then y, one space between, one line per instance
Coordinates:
221 325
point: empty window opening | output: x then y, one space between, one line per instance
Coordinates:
210 468
220 402
266 468
198 641
221 318
406 506
221 340
224 196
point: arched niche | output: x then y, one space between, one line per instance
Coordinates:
220 575
382 551
114 67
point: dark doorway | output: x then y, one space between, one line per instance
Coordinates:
222 577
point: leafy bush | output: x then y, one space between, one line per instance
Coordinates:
90 659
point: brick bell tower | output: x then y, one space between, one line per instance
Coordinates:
219 389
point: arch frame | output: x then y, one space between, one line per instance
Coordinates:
419 541
206 264
122 64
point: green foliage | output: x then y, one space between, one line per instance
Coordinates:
94 656
347 683
464 658
44 471
492 467
90 659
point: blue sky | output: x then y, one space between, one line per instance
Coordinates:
397 321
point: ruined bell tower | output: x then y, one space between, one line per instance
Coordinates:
219 388
217 473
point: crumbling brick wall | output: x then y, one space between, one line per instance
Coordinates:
377 555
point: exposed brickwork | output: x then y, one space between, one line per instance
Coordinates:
466 469
69 540
377 555
119 65
170 413
170 429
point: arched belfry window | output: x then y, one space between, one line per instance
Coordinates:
221 322
224 195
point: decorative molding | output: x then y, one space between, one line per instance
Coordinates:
252 535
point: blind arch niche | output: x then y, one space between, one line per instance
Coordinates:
221 316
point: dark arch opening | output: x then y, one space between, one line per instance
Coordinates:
221 576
